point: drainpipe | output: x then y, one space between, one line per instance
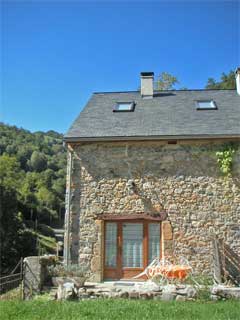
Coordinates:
67 214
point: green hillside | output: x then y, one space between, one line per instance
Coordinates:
32 191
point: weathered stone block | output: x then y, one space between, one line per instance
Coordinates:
167 230
67 291
226 292
181 298
188 291
133 295
168 296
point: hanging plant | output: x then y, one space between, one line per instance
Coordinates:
225 158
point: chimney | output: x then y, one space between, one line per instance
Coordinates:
147 84
238 80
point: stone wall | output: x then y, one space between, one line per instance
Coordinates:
33 276
35 270
183 179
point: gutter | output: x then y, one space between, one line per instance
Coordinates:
67 215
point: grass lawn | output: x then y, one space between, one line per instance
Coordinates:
119 309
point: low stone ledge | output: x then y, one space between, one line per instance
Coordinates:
68 291
222 292
145 291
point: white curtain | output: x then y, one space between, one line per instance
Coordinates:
132 245
153 241
111 244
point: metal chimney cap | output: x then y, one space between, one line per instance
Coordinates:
147 74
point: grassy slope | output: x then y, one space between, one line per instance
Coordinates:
119 309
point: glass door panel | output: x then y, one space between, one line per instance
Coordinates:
111 245
153 241
132 234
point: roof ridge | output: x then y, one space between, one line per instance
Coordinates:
159 91
101 92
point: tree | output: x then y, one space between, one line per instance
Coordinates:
38 161
32 189
23 154
10 174
28 191
10 225
46 197
227 81
165 81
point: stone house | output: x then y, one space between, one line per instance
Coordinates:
145 178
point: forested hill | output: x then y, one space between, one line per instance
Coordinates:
32 186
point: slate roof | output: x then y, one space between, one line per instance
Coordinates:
168 115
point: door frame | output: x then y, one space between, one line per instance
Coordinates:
119 272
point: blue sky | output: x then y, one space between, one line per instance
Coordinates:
55 54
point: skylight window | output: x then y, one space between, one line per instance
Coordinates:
206 105
124 107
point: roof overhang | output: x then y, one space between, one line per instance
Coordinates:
147 138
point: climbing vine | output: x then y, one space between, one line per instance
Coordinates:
225 158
